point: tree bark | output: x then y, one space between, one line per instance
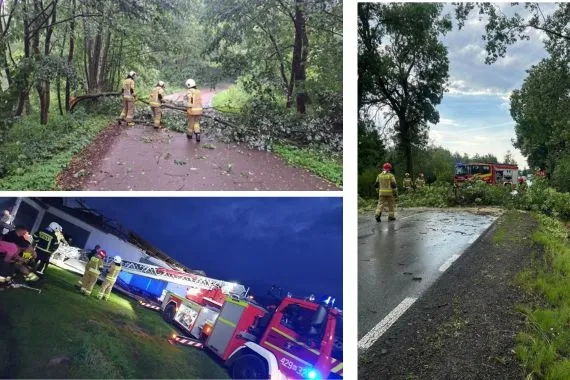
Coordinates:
298 66
24 99
70 55
301 74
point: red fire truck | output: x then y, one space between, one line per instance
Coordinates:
192 312
499 174
299 339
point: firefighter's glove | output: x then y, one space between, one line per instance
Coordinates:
376 185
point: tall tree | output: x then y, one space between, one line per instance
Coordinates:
540 110
403 67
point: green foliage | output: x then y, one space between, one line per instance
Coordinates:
317 162
33 155
371 149
540 110
366 181
96 337
503 30
231 100
543 346
561 175
406 86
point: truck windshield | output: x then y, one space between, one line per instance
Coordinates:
480 169
461 170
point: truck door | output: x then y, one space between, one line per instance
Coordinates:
286 337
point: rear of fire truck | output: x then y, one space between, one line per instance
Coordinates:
298 339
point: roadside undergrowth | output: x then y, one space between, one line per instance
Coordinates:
544 346
327 167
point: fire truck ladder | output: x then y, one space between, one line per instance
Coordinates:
159 273
186 279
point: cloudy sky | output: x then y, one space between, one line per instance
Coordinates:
295 243
474 114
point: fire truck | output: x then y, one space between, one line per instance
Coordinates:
298 339
498 174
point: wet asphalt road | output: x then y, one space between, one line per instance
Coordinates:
403 258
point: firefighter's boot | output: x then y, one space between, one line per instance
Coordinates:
189 136
391 218
197 137
377 218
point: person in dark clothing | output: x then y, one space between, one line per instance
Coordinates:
46 243
93 252
18 238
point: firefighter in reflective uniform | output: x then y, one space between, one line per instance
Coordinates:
420 181
46 243
387 192
194 109
129 98
92 272
156 99
407 182
110 278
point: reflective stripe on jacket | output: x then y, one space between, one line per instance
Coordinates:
46 241
387 183
129 89
194 100
94 265
156 97
113 272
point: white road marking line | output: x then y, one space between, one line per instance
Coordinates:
445 266
383 326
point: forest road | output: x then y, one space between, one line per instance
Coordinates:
142 158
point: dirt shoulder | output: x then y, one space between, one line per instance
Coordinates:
464 326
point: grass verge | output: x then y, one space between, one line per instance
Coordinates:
322 165
34 154
544 346
231 100
63 334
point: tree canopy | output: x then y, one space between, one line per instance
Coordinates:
402 68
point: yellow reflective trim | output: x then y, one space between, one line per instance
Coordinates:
225 321
231 300
94 270
337 368
287 353
296 341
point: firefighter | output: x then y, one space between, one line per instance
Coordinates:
420 181
156 99
194 110
92 272
407 182
387 191
129 98
110 278
46 243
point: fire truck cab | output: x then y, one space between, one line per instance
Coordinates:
299 339
499 174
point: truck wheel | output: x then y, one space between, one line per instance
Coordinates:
249 367
169 312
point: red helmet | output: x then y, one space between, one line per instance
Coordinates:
387 166
102 253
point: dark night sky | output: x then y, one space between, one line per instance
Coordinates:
295 243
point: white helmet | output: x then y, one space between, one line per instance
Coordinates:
132 74
160 84
190 83
55 227
117 260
